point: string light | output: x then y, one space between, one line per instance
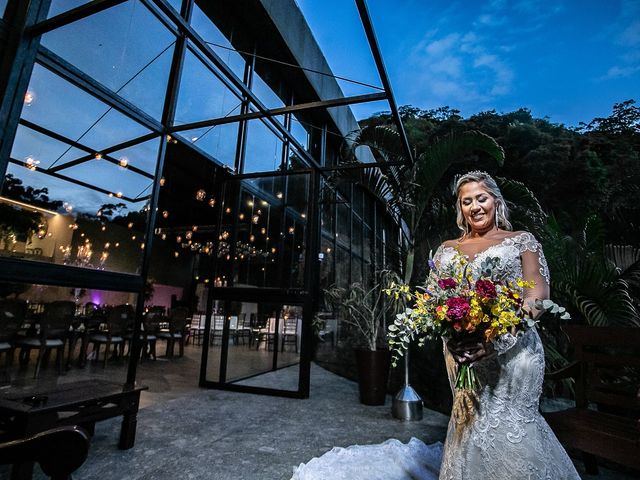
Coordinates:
29 98
201 195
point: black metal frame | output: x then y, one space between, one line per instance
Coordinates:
28 22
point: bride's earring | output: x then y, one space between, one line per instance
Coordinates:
497 221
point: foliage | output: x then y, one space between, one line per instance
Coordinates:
408 189
366 309
594 280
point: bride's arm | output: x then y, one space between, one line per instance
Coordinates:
534 268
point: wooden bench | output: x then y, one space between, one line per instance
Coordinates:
24 413
605 421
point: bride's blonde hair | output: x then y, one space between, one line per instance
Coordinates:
502 212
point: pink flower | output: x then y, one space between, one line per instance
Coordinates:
458 308
486 289
447 283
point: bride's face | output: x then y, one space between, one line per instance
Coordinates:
478 206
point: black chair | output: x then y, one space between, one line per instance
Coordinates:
119 320
55 323
12 315
148 336
59 451
176 332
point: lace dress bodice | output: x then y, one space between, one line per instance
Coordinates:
507 438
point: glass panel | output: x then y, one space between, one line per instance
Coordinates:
367 244
216 39
344 223
356 269
176 4
327 273
356 235
135 52
263 148
80 318
295 160
71 224
202 94
265 94
343 264
56 105
60 6
262 338
3 6
219 141
299 132
290 340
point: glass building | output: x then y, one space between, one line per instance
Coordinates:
172 156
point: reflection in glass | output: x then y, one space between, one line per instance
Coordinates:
3 6
263 148
216 40
52 220
218 141
70 315
135 52
299 132
202 94
343 265
60 6
265 94
65 109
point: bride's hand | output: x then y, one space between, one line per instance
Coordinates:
470 350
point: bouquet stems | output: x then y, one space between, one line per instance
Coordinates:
466 398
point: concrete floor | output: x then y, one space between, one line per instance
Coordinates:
190 433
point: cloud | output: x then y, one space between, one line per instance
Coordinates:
458 69
625 33
620 72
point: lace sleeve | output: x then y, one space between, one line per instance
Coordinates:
534 268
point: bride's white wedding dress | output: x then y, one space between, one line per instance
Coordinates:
507 438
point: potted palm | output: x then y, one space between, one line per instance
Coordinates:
366 309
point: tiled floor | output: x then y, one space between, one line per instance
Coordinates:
189 433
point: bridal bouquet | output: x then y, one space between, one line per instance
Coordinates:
457 307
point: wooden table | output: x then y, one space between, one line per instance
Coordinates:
26 412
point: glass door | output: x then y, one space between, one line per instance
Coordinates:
259 305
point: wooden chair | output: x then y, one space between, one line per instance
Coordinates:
148 336
606 419
176 332
119 320
59 451
54 331
12 314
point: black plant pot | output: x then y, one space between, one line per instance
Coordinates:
373 375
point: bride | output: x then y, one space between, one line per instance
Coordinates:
506 438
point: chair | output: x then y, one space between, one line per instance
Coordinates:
54 330
176 331
119 319
242 330
196 328
265 330
12 314
59 452
290 333
217 327
148 336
